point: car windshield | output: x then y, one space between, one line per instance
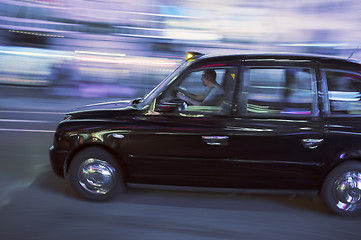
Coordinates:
159 88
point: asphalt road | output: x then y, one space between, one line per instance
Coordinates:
35 204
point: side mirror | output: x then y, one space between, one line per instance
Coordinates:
174 105
165 107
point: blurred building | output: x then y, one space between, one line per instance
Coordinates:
90 45
149 25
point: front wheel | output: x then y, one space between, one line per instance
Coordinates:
341 190
95 175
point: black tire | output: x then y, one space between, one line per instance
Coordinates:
95 174
341 190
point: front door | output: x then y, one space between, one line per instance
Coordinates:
187 146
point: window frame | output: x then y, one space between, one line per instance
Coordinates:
327 102
242 100
198 68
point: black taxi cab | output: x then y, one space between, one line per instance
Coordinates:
283 122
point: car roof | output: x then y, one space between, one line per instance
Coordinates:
279 55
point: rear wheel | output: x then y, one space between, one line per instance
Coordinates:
95 175
341 190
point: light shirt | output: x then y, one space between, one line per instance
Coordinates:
214 96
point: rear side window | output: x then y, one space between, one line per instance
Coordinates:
344 92
279 91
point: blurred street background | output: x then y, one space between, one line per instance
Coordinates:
56 55
122 49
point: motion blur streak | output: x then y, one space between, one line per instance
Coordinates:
24 121
26 130
111 49
2 111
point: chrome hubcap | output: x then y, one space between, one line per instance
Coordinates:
97 176
347 191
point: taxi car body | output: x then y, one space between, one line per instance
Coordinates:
287 122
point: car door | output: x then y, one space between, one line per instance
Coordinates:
185 147
278 136
343 108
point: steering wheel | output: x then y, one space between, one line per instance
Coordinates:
181 104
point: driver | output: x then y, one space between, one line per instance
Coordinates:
210 97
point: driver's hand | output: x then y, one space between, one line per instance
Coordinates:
180 95
180 89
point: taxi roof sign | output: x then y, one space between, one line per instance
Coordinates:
193 55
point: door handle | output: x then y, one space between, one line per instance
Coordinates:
216 140
312 143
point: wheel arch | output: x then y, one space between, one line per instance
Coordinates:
340 159
110 150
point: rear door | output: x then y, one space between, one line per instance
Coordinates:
343 108
278 136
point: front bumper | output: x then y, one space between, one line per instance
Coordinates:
57 160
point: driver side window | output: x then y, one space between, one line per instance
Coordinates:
193 82
203 91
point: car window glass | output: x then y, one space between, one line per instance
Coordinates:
165 82
344 92
278 91
200 97
193 82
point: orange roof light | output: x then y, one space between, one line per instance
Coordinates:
193 55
